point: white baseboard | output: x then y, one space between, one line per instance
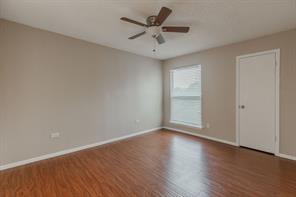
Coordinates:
286 156
67 151
224 141
202 136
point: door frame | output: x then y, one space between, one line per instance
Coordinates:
276 52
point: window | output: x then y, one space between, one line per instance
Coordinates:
186 96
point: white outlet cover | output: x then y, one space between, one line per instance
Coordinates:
55 135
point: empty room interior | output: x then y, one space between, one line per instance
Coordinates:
158 98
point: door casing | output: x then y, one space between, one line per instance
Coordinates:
277 91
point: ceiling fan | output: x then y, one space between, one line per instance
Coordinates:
154 26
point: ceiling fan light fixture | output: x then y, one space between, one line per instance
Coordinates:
154 31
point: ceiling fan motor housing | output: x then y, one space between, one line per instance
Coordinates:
153 28
151 21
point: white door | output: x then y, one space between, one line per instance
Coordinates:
257 101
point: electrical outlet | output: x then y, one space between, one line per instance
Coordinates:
208 125
55 135
137 121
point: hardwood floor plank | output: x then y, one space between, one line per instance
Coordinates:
163 163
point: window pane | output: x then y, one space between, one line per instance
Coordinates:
186 111
186 95
186 82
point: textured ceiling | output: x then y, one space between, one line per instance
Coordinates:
213 22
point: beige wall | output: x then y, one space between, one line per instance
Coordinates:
219 87
89 93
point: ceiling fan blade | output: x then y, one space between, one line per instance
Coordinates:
163 14
133 21
137 35
160 39
175 29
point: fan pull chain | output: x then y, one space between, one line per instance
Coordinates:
155 45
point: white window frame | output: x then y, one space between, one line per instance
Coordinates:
201 96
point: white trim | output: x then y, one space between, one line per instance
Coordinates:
224 141
186 124
237 101
277 109
277 127
185 67
202 136
286 156
67 151
258 53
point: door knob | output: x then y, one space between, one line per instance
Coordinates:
242 107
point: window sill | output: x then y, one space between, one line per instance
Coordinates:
187 124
